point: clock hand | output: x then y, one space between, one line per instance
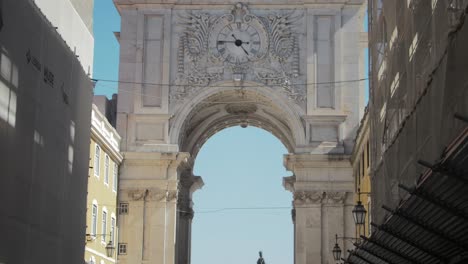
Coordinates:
230 41
245 51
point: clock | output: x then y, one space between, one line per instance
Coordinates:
238 42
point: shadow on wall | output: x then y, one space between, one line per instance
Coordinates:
1 15
45 112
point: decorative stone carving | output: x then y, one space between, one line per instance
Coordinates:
187 185
171 196
136 194
241 108
238 45
158 195
308 197
336 197
282 39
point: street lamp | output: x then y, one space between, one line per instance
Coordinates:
336 250
110 249
359 212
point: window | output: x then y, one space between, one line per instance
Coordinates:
106 170
122 248
368 154
362 163
112 230
123 208
383 112
104 225
395 84
97 154
369 217
115 179
94 220
413 47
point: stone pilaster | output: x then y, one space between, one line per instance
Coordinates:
320 187
149 186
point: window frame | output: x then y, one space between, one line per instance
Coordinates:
122 249
112 230
97 160
123 211
115 177
94 216
104 225
106 169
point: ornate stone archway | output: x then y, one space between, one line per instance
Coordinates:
190 70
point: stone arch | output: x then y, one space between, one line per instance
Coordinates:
227 104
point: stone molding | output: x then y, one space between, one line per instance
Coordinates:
318 197
302 161
151 194
308 197
156 158
335 197
187 214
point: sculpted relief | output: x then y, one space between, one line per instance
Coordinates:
238 45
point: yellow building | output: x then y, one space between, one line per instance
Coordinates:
101 215
360 159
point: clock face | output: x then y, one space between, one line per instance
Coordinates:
239 42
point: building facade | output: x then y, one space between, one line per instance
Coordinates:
73 20
45 112
417 87
419 132
101 217
190 69
361 162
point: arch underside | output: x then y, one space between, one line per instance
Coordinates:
234 107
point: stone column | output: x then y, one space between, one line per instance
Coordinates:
188 184
320 186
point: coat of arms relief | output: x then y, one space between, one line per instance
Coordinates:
238 45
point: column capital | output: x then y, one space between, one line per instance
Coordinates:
302 197
334 197
308 197
187 185
151 194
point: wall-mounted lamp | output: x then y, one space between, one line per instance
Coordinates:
359 212
337 250
109 247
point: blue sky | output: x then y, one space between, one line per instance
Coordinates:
241 168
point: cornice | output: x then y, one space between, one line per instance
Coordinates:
306 160
155 158
325 118
103 143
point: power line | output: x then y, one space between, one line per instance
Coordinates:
233 86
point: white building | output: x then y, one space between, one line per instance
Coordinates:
73 20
